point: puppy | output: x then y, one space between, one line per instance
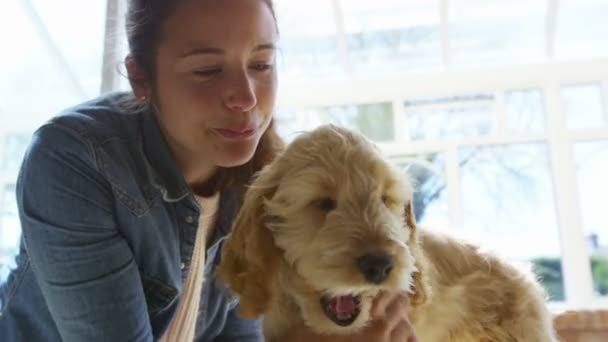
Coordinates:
329 224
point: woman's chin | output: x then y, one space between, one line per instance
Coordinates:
235 156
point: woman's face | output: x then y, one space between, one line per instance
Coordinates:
216 79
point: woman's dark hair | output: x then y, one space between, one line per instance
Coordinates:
144 24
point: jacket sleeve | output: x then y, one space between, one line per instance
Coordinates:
241 330
84 267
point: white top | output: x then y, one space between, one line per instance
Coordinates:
183 325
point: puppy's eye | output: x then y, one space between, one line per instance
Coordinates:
388 201
326 204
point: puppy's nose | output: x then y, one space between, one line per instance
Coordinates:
375 267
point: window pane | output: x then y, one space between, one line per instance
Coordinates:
591 170
483 32
582 106
508 203
27 98
525 111
286 121
10 231
49 63
375 121
14 148
427 173
68 60
392 36
83 51
450 117
308 40
581 29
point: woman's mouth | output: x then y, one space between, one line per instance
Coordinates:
236 134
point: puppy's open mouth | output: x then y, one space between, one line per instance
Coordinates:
343 310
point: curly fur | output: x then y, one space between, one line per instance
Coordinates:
286 251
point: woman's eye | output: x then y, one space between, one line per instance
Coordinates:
261 66
206 72
327 204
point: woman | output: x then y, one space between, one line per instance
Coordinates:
125 200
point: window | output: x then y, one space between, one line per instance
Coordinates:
450 117
286 121
10 231
386 36
581 25
488 164
583 106
502 194
308 47
52 62
427 173
483 32
14 148
373 120
508 201
591 170
525 111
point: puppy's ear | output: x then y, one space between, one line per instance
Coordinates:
410 219
250 258
421 289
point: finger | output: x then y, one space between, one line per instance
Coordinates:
413 337
400 333
380 304
396 313
403 331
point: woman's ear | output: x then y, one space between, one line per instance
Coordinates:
137 78
250 259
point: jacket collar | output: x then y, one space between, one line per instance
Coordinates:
166 175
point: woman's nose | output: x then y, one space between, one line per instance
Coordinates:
240 93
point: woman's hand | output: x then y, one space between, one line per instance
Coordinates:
389 323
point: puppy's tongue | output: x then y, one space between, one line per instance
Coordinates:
343 305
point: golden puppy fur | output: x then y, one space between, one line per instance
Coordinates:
331 198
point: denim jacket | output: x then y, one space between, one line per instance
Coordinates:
108 229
